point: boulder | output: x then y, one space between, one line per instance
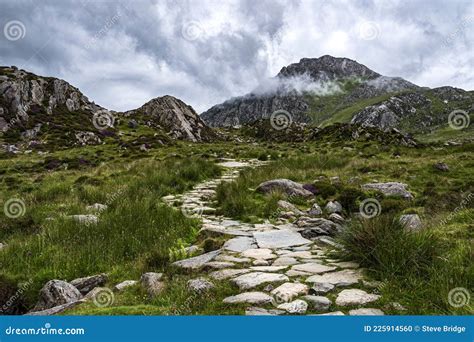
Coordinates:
55 293
314 227
152 283
56 309
389 189
333 207
411 222
286 186
86 284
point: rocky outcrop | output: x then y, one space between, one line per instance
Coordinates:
178 119
36 110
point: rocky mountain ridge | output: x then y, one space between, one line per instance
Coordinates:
38 111
342 90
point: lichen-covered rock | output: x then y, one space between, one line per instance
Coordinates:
389 189
55 293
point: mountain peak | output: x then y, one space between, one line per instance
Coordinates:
327 68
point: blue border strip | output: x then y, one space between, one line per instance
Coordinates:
241 328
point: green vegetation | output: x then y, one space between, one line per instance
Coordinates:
137 233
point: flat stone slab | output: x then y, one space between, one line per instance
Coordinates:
300 254
249 297
295 307
313 267
259 253
228 273
279 239
268 268
250 280
339 278
285 261
256 311
218 264
288 291
233 164
355 297
197 261
230 258
293 273
240 244
366 312
346 264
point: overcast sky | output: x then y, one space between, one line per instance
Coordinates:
122 54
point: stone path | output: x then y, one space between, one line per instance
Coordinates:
272 265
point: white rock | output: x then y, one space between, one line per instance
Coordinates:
250 280
313 267
124 284
333 207
85 219
218 264
96 207
240 244
268 268
226 274
197 261
279 239
355 297
389 189
339 278
288 291
230 258
259 253
321 288
295 307
334 313
293 273
284 261
249 297
366 312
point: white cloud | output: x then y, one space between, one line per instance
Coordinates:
122 54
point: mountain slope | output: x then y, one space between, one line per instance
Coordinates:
327 90
48 113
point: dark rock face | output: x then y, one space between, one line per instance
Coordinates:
174 116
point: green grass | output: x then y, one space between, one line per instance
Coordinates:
135 234
417 268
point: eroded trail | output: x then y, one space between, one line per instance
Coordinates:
275 269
